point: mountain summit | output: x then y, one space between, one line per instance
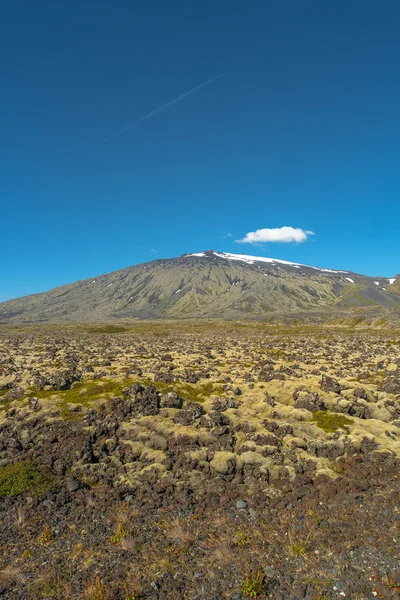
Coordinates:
206 284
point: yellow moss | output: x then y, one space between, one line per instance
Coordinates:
253 458
155 466
153 456
295 442
220 461
326 471
137 447
198 455
357 438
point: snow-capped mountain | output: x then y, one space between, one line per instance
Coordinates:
206 284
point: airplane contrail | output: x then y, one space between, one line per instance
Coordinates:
164 106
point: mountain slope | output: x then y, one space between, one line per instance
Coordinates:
203 285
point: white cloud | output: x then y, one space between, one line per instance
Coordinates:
227 235
279 234
153 251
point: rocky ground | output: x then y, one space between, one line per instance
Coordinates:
199 462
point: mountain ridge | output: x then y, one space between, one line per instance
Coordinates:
206 284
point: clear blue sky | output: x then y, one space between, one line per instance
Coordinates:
303 131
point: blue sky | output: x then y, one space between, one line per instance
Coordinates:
301 130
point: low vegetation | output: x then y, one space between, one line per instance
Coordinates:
253 585
199 461
330 421
24 477
109 329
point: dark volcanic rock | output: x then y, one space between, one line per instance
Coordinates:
267 373
308 400
171 400
391 385
62 380
189 414
146 399
328 384
14 394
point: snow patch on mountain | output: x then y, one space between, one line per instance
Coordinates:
256 259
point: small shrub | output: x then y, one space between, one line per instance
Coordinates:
96 590
120 534
11 575
337 468
50 584
253 586
299 545
46 536
178 528
24 476
19 517
243 539
297 548
131 589
120 513
330 421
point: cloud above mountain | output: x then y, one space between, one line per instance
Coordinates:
279 234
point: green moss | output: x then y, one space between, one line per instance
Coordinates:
23 477
194 393
87 391
330 421
84 394
4 404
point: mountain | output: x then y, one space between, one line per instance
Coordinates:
204 285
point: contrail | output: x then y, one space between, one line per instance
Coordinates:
164 106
